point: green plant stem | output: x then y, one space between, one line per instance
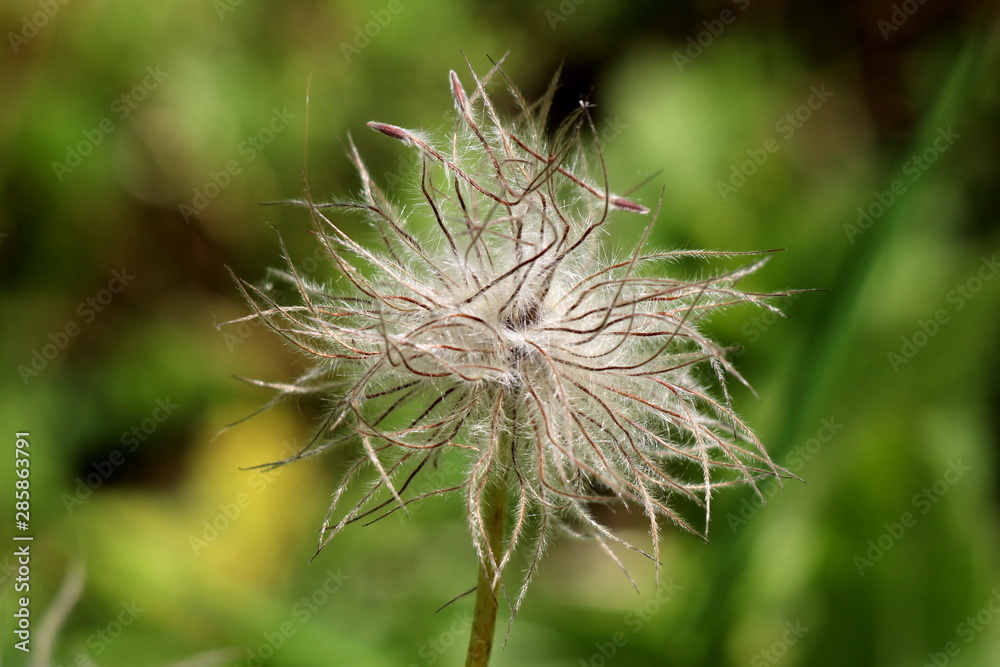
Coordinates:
484 617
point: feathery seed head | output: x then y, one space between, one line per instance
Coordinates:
502 332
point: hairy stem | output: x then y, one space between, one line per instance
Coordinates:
484 617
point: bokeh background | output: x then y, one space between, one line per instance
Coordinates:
136 142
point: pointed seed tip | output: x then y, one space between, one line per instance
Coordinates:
628 205
457 91
390 130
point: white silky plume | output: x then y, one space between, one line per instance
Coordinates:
491 324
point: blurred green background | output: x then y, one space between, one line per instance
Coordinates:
136 141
